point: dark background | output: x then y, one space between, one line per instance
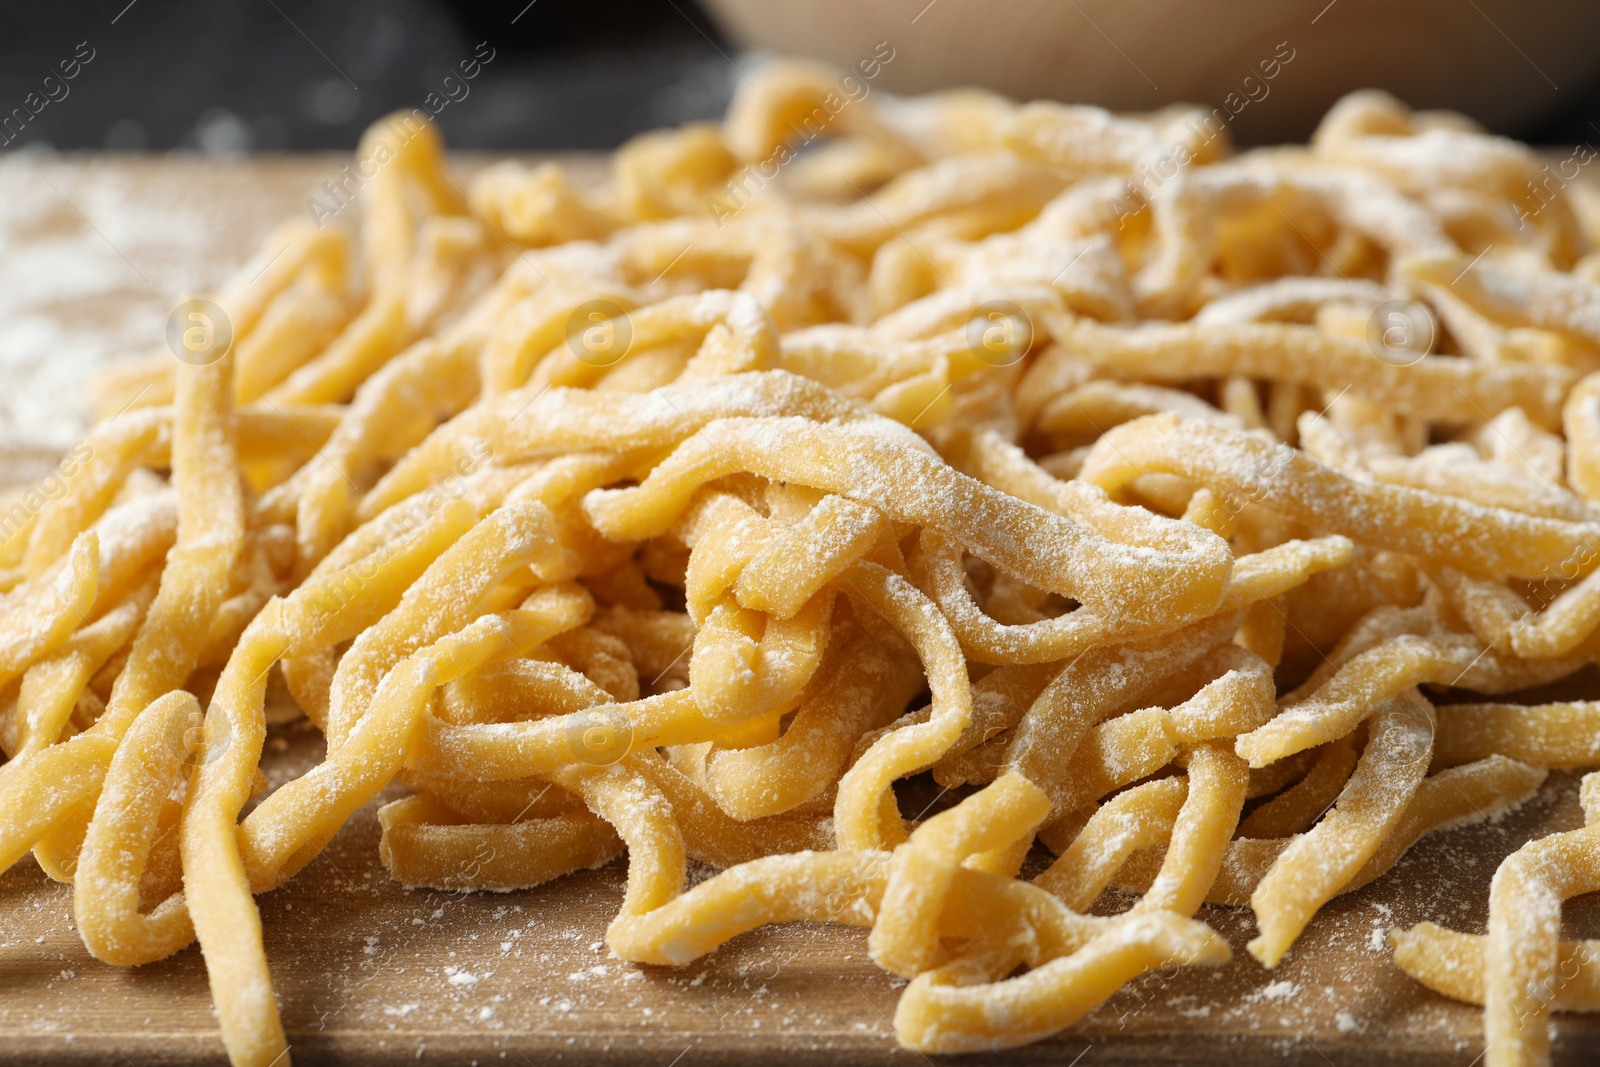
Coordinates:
230 76
262 75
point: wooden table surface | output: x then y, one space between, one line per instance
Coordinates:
93 253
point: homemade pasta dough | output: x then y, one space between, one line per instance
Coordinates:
1166 505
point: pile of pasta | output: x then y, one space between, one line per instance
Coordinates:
1048 452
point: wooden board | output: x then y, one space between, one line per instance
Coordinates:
368 972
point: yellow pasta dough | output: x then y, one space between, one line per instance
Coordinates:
618 519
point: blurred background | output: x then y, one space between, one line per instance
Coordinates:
236 76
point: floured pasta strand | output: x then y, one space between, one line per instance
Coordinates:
1255 578
47 610
862 685
1520 954
1090 139
905 938
846 886
1310 871
294 254
1086 691
815 550
877 469
117 846
1581 424
288 829
864 790
1433 387
1218 781
1375 130
115 451
1294 299
442 599
1295 809
745 664
1137 818
1452 963
1391 517
940 1013
712 836
1548 300
1460 796
1502 618
1545 735
1384 671
1488 483
561 420
52 687
425 846
167 645
999 700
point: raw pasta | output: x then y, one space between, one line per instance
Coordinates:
624 519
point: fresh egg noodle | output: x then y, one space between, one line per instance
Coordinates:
1151 520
